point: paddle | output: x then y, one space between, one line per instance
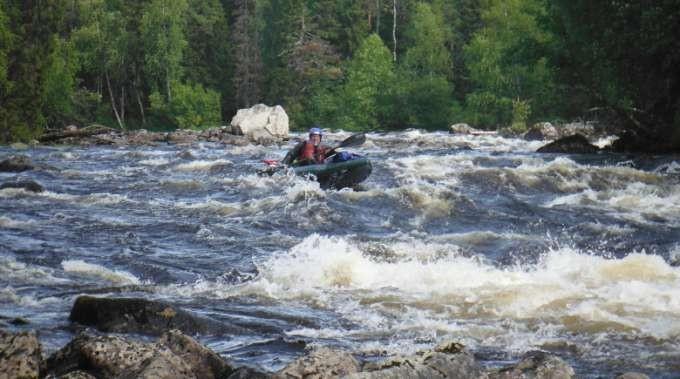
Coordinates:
351 141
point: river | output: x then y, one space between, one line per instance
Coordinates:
476 239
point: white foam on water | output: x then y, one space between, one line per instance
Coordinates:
640 292
615 230
203 165
155 162
19 272
637 201
668 168
427 167
8 223
96 271
91 199
9 295
210 205
605 141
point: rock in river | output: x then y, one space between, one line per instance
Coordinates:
28 185
16 163
540 132
321 363
20 355
536 364
132 315
261 123
174 356
575 144
448 360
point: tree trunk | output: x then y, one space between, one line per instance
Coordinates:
86 132
122 103
394 29
137 95
141 106
113 100
377 16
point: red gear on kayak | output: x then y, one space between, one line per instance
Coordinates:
311 153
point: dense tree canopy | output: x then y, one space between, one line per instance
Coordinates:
369 64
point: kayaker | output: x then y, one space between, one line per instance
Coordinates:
309 151
313 151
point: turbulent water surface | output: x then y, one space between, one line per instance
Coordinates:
476 239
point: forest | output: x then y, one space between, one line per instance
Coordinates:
343 64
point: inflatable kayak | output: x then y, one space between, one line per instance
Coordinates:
338 174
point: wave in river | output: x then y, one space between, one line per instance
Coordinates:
570 291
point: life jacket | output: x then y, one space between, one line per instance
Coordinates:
315 154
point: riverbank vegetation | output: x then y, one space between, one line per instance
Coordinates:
357 65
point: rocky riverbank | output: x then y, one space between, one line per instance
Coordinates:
93 353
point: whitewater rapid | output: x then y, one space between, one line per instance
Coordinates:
472 238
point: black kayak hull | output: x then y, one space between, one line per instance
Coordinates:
338 175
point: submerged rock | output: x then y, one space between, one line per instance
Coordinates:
541 131
133 315
321 363
632 375
576 144
20 355
261 123
16 163
28 185
461 128
536 364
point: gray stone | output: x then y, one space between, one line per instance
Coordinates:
28 185
321 363
174 355
20 355
541 131
536 365
134 315
461 128
16 163
261 122
632 375
450 360
204 362
576 144
77 375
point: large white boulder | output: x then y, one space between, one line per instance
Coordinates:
261 122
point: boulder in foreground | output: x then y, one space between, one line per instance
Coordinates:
321 363
536 364
20 355
174 355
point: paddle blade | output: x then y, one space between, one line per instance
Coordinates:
353 140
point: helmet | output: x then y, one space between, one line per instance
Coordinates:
315 130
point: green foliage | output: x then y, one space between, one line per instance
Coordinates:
162 33
491 63
369 76
520 114
191 106
427 53
5 46
622 56
60 84
506 61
